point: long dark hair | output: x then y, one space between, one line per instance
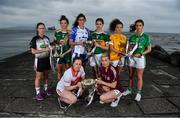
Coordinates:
139 21
77 58
77 18
63 17
38 24
113 24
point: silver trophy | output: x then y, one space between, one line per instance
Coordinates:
90 85
88 46
57 51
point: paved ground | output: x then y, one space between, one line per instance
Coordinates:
161 93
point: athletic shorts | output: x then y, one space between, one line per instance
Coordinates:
119 63
82 56
96 60
65 60
137 62
42 64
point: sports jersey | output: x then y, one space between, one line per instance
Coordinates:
102 38
110 76
69 78
78 35
61 35
119 43
143 42
42 61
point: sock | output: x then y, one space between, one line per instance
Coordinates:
45 86
37 90
139 91
129 88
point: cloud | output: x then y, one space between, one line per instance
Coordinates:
159 15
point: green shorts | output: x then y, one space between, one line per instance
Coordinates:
65 60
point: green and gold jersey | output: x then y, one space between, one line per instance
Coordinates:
62 36
102 38
143 42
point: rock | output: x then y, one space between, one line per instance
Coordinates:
175 58
159 53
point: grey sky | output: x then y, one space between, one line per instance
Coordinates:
159 15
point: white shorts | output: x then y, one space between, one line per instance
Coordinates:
97 58
59 92
119 63
137 62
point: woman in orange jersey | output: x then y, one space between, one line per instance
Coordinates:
117 44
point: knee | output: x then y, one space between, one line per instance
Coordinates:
102 98
140 76
73 100
38 78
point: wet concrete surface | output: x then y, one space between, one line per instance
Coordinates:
160 95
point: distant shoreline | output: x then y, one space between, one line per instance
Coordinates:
33 29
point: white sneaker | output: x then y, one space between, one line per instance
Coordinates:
101 102
127 92
115 103
138 97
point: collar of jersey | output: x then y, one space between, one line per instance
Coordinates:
41 37
80 28
73 72
141 34
108 67
99 32
63 31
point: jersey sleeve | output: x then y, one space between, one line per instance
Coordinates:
114 73
107 38
148 41
111 40
55 34
66 79
32 43
72 35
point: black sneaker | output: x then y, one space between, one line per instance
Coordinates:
62 104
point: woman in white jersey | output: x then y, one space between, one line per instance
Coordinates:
70 81
78 36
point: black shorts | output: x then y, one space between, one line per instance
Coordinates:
43 64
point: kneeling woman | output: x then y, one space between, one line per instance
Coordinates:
70 81
108 83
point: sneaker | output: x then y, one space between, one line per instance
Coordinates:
115 103
127 92
62 104
39 97
138 97
101 102
48 92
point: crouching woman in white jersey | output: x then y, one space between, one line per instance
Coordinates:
70 81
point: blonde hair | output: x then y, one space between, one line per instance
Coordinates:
105 55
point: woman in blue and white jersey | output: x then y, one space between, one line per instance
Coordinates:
79 34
